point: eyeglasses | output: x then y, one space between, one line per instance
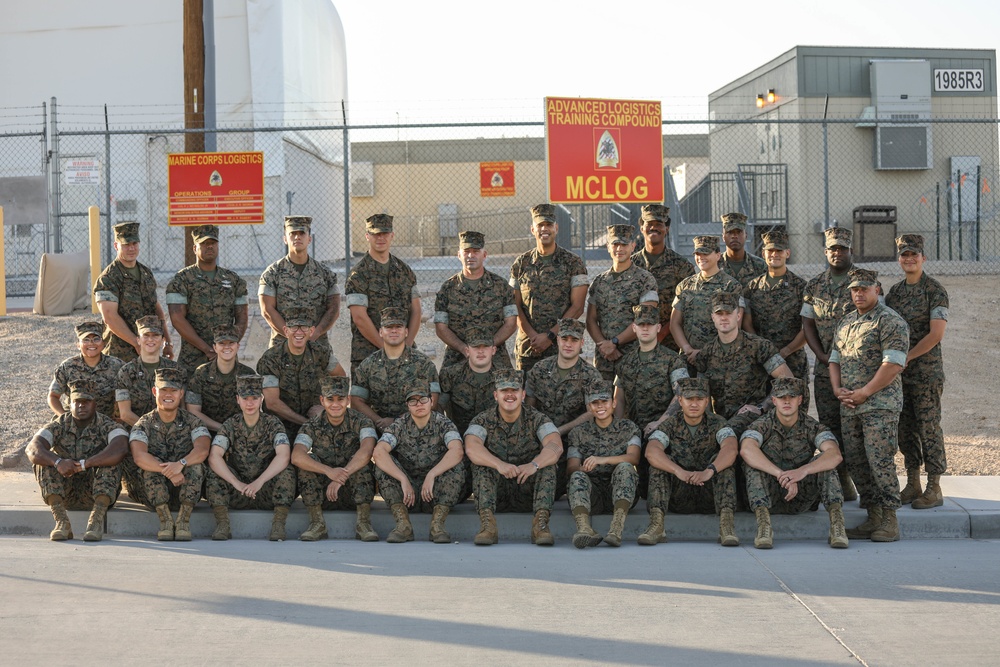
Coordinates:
418 400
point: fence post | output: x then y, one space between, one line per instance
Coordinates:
3 270
107 189
94 217
347 195
56 185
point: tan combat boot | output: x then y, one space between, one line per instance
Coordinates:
864 531
62 531
540 533
654 533
223 531
166 531
278 520
847 484
182 528
838 534
438 534
932 496
765 535
403 532
912 490
487 534
363 524
317 525
585 535
888 530
614 536
95 525
727 531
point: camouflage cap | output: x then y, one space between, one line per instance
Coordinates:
693 387
471 240
394 317
225 332
172 378
84 329
569 327
776 239
149 323
380 223
248 386
858 277
727 301
705 245
787 387
203 233
655 213
910 243
507 378
733 221
337 385
299 318
543 213
417 388
621 234
478 337
82 388
298 223
646 314
127 232
838 236
599 390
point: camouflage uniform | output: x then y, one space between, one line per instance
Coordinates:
515 443
104 376
647 379
135 296
416 451
376 286
467 392
561 399
335 446
669 269
135 384
306 291
693 298
214 391
600 489
920 437
212 300
743 273
167 442
790 448
692 449
68 441
545 284
465 304
248 451
381 382
776 306
614 295
296 376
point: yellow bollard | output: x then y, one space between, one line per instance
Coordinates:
3 271
94 214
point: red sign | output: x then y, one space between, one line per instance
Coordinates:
496 179
603 151
215 188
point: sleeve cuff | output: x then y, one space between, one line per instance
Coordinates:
175 298
724 432
660 437
808 311
824 436
476 430
198 432
241 300
634 441
546 429
753 435
222 442
939 313
122 395
193 398
579 280
452 435
305 441
774 363
834 356
573 453
116 432
270 382
435 387
440 317
280 438
368 432
510 311
266 290
389 439
360 392
103 295
138 434
650 296
356 300
894 357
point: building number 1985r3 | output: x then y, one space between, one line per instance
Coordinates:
959 80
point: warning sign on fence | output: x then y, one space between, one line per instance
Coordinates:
215 188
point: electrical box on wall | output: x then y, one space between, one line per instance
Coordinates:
901 95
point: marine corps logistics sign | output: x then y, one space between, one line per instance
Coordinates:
215 188
603 151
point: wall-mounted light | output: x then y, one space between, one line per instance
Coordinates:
770 96
760 101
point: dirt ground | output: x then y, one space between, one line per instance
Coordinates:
31 346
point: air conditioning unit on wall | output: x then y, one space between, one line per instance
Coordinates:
903 147
362 179
901 95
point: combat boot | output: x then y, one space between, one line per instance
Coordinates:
278 519
403 532
317 525
95 525
363 525
838 534
62 531
888 530
487 534
614 536
847 484
166 531
932 496
765 535
912 490
182 528
727 532
438 534
864 531
223 531
585 535
654 533
540 533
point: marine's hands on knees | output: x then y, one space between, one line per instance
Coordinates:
427 489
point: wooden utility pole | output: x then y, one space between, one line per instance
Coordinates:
194 91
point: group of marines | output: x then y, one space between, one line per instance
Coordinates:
696 398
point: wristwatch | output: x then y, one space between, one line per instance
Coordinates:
183 463
711 466
614 341
552 336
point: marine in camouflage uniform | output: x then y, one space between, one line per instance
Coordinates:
126 291
691 319
923 302
60 452
298 283
380 280
668 267
474 298
211 391
467 389
134 384
549 283
99 368
736 261
873 339
611 298
204 296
